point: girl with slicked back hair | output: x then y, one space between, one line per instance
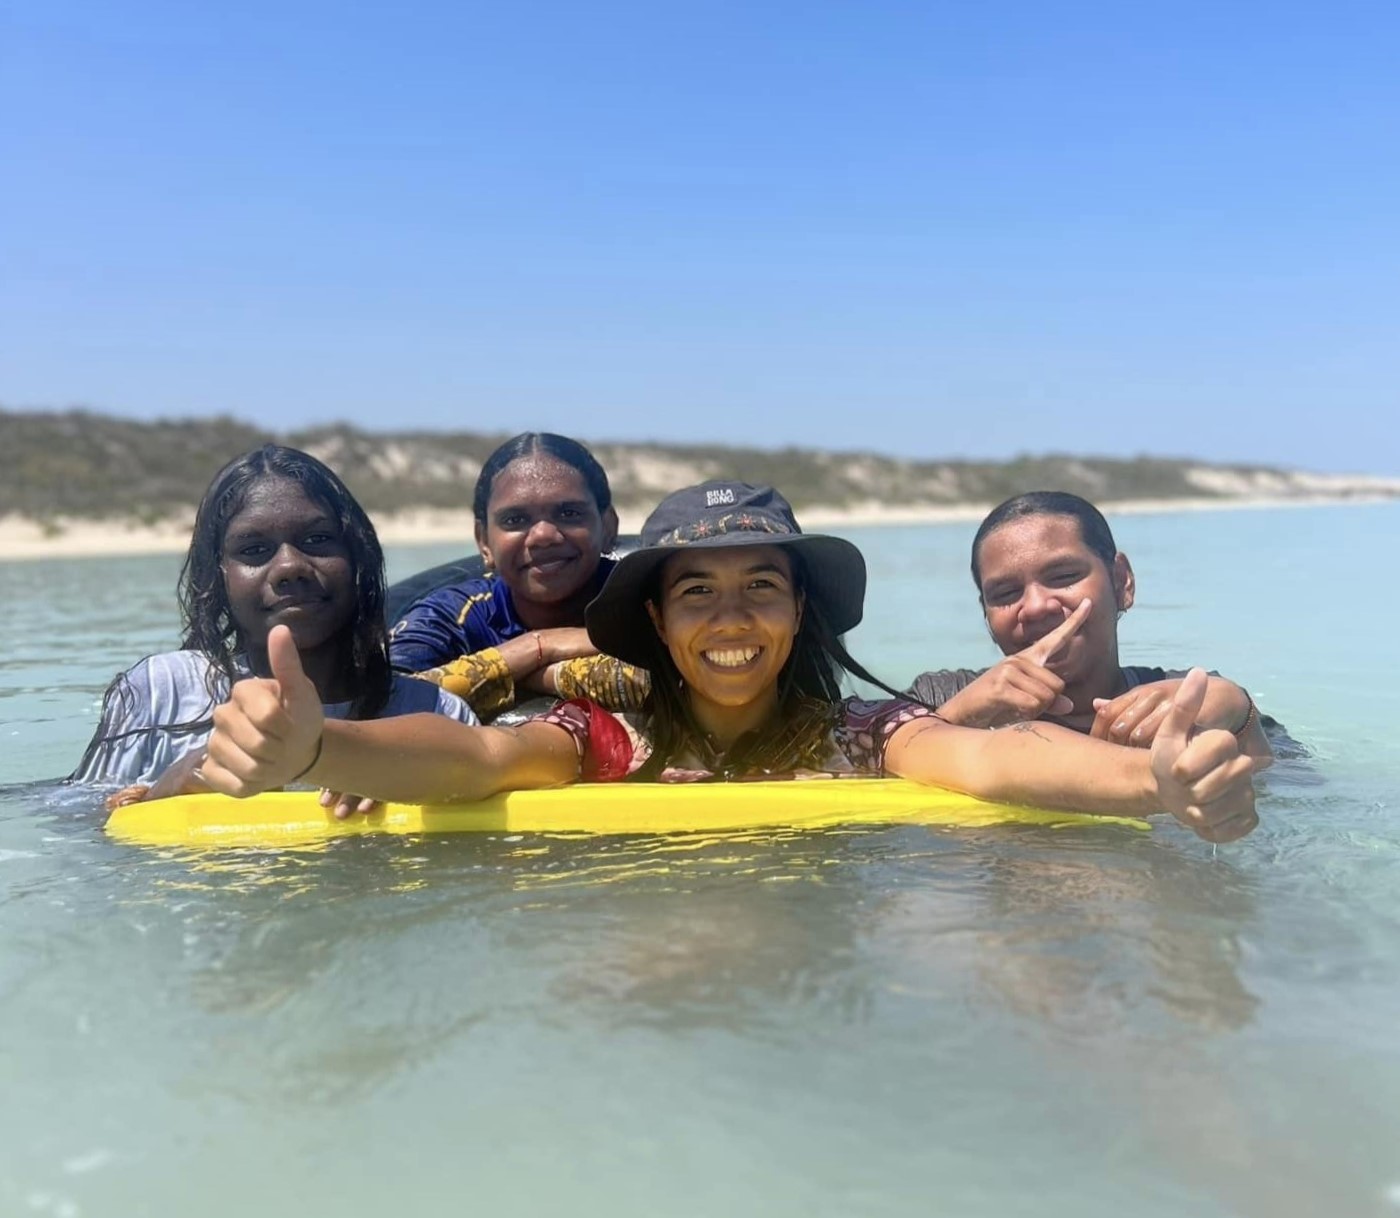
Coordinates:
544 524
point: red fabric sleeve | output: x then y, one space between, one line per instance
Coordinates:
605 748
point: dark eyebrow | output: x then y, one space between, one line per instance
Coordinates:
323 521
553 506
684 575
763 568
1065 554
1057 563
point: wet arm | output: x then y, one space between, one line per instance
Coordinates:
538 649
1229 706
1039 764
1199 776
181 778
431 759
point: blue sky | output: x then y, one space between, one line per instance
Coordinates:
933 230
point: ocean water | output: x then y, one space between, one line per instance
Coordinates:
1015 1021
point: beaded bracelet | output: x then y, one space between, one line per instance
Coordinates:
1249 719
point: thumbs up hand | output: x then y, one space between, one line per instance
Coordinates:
1202 778
269 731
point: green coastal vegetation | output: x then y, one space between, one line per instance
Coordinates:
83 465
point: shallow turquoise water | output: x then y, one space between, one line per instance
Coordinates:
893 1021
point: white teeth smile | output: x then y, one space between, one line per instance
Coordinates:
732 657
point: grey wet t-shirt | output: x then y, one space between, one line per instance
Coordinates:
160 710
936 688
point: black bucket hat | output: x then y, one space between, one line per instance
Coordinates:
713 515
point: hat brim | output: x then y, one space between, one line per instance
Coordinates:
618 622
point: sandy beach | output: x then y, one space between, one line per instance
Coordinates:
22 538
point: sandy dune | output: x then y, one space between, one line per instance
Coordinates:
21 538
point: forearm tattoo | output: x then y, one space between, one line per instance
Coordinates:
1032 728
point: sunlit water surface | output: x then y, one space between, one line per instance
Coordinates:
889 1021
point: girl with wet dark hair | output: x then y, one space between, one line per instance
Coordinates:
748 610
278 538
544 522
1052 584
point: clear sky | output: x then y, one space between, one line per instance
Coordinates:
923 228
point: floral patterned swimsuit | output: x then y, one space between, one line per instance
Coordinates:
846 740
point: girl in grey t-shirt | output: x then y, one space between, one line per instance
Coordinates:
1053 584
278 539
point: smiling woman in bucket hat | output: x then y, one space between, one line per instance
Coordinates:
739 614
714 515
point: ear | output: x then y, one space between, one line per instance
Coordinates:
609 529
801 605
487 558
1124 583
655 614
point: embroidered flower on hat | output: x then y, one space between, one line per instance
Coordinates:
741 523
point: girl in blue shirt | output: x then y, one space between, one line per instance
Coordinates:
544 522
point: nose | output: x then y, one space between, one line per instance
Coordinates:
543 533
289 563
732 612
1038 601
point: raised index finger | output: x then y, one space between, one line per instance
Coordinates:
1043 650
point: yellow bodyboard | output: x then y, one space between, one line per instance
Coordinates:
296 817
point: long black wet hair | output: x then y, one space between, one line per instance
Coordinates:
208 620
532 443
208 623
1093 528
809 690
